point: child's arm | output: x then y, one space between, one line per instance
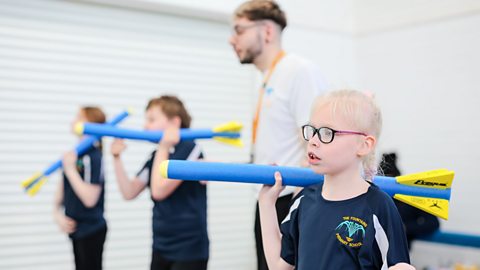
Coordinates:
86 192
129 189
271 235
161 187
65 223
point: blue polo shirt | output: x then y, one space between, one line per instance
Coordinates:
180 221
89 220
364 232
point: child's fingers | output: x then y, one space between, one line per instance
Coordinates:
68 225
117 141
71 227
278 182
117 147
70 221
66 155
278 179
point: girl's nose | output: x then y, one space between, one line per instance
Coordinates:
314 141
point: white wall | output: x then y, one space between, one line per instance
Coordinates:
377 15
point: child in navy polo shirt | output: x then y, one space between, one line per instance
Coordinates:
180 239
346 222
79 199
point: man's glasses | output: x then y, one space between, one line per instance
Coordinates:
325 134
240 29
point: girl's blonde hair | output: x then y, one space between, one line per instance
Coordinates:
362 112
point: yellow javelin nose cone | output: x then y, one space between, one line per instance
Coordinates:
78 128
164 169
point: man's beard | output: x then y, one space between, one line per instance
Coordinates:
248 58
252 53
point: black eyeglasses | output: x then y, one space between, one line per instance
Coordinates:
325 134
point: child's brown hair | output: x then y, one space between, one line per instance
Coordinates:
94 114
172 106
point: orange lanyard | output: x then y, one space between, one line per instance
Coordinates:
256 118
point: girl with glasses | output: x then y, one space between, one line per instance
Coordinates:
346 222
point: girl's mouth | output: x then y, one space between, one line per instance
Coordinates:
312 157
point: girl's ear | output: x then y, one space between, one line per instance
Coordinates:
367 146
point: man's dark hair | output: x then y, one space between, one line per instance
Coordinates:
256 10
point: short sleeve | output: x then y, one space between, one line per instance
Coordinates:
144 173
196 153
398 251
289 230
390 241
93 168
187 150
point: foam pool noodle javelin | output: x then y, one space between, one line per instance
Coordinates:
428 191
228 133
33 184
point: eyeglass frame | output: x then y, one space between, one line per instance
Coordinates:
238 30
316 131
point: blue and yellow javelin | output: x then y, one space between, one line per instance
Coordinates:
228 133
33 184
428 191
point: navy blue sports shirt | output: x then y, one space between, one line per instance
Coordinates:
364 232
89 220
180 221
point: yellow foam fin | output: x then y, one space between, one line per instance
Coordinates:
439 179
230 141
27 182
35 188
434 206
229 127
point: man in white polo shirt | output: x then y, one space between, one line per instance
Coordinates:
289 88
